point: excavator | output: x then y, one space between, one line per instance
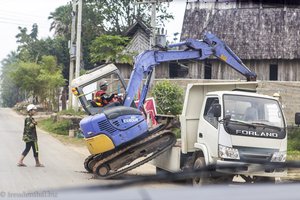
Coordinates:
117 135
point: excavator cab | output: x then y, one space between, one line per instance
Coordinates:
111 124
86 87
115 134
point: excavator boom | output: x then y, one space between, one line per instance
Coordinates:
194 50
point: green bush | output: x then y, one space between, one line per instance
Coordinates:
294 139
60 127
168 98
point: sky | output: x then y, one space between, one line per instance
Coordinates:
24 13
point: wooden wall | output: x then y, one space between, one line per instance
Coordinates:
288 70
139 43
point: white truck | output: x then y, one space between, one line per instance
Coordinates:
229 123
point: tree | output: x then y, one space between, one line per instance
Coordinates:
116 16
10 93
32 49
61 21
39 80
109 48
51 78
168 97
27 49
103 17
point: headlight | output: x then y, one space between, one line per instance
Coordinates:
279 156
228 152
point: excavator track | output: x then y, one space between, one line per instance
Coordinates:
122 160
91 160
88 160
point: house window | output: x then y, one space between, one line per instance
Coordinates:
273 72
176 70
207 71
272 3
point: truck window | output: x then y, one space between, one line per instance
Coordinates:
253 109
208 111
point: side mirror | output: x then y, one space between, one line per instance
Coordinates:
297 118
217 110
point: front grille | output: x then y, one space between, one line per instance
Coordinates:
255 155
255 158
106 126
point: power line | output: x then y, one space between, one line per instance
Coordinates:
18 20
13 23
23 24
19 14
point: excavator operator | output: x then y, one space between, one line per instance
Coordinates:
101 98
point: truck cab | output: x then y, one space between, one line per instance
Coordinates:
229 123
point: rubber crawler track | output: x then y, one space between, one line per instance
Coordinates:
118 154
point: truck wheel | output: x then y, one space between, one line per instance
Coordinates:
203 178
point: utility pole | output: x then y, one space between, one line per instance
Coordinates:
78 47
152 41
153 25
153 3
72 52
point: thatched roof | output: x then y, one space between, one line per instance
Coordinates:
252 33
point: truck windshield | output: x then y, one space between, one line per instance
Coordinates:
253 110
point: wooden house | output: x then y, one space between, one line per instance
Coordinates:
140 34
264 34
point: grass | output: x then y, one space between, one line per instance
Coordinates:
58 127
60 130
293 155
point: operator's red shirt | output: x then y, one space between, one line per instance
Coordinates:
100 93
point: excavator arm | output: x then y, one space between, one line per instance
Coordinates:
196 49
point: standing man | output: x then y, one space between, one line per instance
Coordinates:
30 137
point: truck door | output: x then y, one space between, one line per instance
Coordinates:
208 126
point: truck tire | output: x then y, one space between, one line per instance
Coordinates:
203 177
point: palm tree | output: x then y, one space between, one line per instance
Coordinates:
62 20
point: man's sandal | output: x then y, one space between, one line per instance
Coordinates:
21 165
39 165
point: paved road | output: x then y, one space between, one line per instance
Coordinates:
63 165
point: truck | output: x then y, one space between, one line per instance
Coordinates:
118 136
228 124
